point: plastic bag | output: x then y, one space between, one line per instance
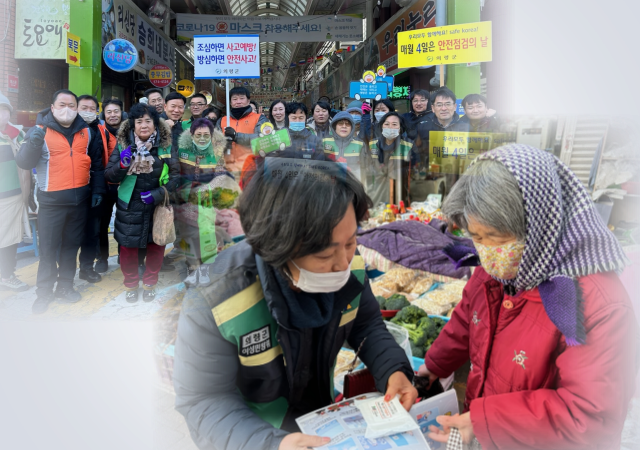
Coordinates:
422 285
164 231
384 418
385 288
222 191
401 276
431 307
401 336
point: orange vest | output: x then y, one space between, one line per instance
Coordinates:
68 166
107 144
246 125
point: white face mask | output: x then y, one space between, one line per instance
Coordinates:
88 116
65 115
315 283
390 133
380 115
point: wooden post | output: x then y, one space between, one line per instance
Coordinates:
441 75
391 189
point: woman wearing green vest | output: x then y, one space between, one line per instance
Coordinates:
343 146
257 348
138 164
391 155
200 150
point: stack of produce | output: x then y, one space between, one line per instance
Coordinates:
422 329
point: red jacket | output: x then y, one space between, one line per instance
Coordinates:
526 388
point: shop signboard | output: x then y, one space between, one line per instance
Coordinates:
120 55
13 83
208 96
400 92
160 76
453 44
320 28
41 29
153 49
384 43
73 49
186 88
227 56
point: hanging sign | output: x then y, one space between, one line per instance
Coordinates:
120 55
208 96
186 88
453 44
227 56
14 83
41 29
160 76
381 75
368 87
294 28
73 49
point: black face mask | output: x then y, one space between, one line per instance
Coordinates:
237 113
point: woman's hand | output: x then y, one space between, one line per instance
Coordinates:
299 441
461 422
424 373
399 384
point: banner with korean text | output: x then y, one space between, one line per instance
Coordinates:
453 44
227 56
41 29
342 27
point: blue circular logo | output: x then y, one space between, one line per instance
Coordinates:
120 55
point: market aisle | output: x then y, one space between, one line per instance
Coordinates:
104 300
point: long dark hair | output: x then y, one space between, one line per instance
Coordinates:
271 119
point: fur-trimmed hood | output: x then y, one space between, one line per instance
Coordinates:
218 141
163 138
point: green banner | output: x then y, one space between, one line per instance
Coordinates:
271 142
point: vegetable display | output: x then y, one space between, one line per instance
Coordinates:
394 303
422 329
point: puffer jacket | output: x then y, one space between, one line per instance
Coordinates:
134 224
527 389
195 168
214 382
305 145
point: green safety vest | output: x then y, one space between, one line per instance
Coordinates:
402 151
246 322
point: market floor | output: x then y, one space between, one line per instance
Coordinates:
103 300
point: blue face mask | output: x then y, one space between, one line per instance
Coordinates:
296 126
356 118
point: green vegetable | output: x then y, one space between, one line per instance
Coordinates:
418 352
396 302
223 198
381 301
410 314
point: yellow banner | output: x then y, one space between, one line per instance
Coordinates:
453 44
73 49
451 152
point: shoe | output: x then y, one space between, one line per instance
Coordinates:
41 304
148 294
102 266
174 254
192 276
205 280
141 269
131 295
14 284
167 266
90 275
67 295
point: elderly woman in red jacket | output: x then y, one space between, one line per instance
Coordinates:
547 325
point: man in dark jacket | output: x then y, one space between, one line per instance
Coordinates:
420 109
68 160
88 110
477 117
304 142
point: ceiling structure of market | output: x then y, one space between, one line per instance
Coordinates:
274 54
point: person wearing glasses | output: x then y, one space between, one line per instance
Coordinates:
197 106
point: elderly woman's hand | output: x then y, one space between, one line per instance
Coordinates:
399 384
424 372
461 422
299 441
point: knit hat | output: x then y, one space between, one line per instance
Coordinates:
4 101
355 106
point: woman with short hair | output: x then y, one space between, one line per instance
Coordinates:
257 348
137 163
547 324
321 120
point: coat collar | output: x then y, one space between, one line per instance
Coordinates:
163 137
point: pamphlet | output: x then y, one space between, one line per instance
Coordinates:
345 425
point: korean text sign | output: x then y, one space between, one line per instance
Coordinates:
73 49
274 28
453 151
41 29
227 56
453 44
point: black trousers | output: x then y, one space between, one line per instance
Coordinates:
91 242
108 201
60 228
8 261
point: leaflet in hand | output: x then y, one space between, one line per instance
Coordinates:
345 425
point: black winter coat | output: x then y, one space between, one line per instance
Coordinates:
134 224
